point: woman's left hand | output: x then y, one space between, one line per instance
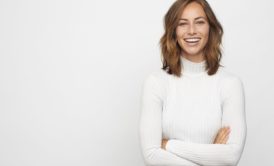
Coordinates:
164 141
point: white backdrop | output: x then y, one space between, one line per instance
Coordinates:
71 74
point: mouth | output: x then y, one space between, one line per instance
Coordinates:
192 40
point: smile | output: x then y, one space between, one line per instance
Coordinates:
192 40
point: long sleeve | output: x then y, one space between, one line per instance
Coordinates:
233 107
151 129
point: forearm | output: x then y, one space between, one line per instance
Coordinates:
206 154
159 157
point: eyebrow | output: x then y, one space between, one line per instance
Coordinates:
194 19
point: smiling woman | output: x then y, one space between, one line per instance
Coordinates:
193 111
191 29
192 32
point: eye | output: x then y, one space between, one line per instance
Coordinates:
182 23
200 22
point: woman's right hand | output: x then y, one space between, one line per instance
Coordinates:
222 135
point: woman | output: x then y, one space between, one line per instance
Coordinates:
193 111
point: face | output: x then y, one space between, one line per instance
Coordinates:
192 30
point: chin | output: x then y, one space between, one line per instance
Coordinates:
192 52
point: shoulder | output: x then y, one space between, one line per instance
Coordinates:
228 78
156 82
158 76
229 82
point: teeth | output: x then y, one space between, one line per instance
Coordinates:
192 40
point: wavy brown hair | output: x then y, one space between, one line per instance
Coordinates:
171 50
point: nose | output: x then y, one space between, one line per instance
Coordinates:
192 29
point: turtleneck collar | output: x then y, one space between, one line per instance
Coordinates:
190 67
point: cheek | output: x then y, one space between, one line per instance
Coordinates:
206 36
179 32
205 31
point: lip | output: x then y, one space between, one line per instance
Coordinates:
192 43
192 38
185 39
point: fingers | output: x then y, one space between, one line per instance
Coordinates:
225 139
225 135
164 141
222 135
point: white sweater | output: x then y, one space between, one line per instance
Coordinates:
189 111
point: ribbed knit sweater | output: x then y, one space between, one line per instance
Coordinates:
188 111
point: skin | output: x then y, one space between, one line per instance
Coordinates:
194 23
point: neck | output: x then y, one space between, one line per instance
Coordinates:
191 67
194 58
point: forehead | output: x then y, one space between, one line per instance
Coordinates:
193 10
